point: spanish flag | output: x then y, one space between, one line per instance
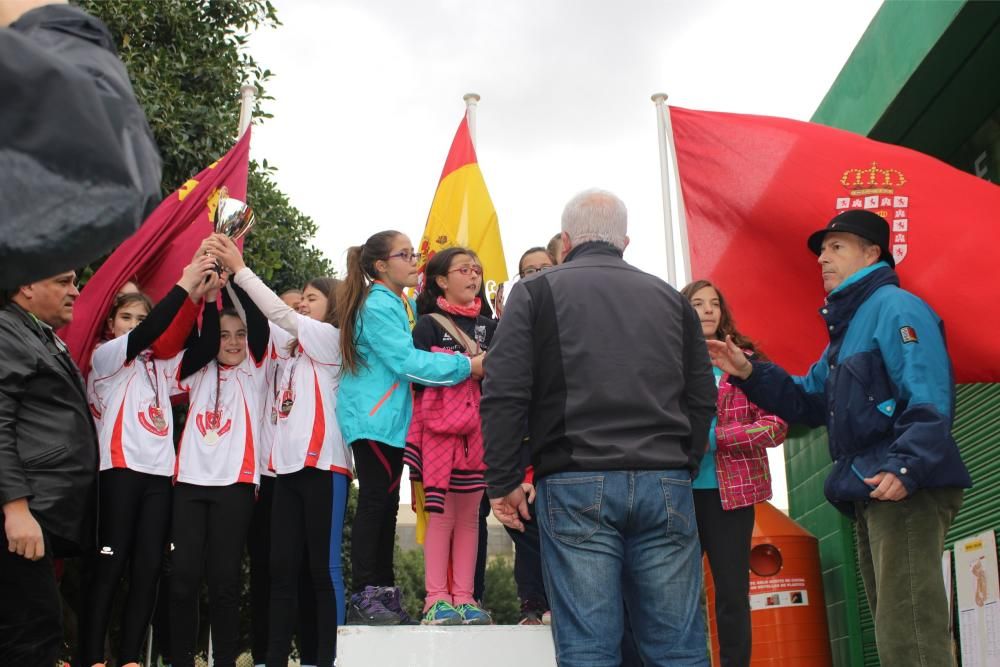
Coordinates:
462 213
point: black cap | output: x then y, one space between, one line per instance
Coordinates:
865 224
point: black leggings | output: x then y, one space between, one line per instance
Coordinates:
725 538
209 531
259 549
373 536
307 515
132 531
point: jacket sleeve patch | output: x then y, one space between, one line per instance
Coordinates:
887 407
908 334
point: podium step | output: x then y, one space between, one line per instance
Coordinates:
456 646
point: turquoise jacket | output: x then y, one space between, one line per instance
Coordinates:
375 402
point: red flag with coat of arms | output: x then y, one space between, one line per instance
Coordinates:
755 187
157 253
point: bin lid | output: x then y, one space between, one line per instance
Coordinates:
770 522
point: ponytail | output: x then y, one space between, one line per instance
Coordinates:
353 290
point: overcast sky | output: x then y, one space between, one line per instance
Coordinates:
368 96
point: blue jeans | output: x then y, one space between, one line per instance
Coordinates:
620 539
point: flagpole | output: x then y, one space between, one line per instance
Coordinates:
675 171
660 99
471 106
248 94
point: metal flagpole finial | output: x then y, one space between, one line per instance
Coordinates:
659 98
471 104
248 94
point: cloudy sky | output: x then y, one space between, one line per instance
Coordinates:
368 96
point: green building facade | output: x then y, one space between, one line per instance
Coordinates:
925 75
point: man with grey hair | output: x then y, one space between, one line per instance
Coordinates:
608 367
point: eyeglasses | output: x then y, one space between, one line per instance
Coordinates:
406 256
468 270
528 270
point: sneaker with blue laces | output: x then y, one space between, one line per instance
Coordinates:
473 615
442 613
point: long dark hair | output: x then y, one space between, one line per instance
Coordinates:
353 291
727 325
328 287
438 266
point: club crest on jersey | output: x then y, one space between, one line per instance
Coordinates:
908 334
153 421
877 189
210 425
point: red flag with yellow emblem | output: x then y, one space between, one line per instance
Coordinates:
157 253
755 187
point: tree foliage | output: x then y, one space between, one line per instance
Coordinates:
187 60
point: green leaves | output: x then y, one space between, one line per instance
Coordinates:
187 60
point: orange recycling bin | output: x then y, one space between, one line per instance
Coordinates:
787 610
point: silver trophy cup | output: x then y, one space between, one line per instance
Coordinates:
232 218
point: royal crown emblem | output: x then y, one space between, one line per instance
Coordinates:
877 189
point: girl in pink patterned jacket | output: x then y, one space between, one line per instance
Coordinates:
734 475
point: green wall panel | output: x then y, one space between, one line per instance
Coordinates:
883 63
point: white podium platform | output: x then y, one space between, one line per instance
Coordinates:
456 646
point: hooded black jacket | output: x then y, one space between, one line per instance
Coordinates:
79 169
608 364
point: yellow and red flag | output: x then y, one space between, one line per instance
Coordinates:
157 253
462 213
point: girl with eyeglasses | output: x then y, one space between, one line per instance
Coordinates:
374 406
535 260
446 456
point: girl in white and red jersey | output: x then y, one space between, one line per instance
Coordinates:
312 300
216 478
312 462
129 395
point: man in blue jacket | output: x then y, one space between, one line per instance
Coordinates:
884 390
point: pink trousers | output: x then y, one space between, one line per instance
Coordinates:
452 537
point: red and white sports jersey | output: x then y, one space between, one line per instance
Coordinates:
131 407
218 444
308 433
277 357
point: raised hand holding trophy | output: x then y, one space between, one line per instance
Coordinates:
232 218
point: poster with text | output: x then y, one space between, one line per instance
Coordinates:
978 592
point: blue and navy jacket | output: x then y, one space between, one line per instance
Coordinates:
883 388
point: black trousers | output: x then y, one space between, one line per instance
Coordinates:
479 583
209 530
259 549
725 538
132 532
31 630
528 563
307 519
373 535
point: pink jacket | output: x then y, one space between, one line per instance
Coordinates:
743 433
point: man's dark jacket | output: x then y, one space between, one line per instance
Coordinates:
79 169
608 364
48 447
